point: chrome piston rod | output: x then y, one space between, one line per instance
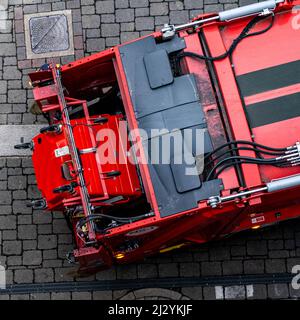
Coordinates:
273 186
264 7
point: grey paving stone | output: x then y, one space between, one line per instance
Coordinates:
232 267
213 8
144 23
259 292
106 6
32 8
107 18
276 254
121 4
193 4
16 96
179 17
49 254
61 296
17 182
60 226
138 3
278 291
12 247
126 272
90 21
52 263
211 268
159 9
88 10
23 276
76 13
189 269
13 261
176 5
81 296
19 297
33 192
7 49
95 45
29 244
194 293
13 162
128 36
124 15
9 235
3 86
73 4
60 5
25 220
168 270
43 275
44 7
27 232
254 266
3 176
93 33
219 253
63 249
275 244
142 12
209 293
102 295
45 229
47 241
40 296
42 217
147 271
64 274
257 248
235 292
238 251
77 28
111 42
31 258
11 73
110 30
4 210
127 26
14 118
109 274
7 222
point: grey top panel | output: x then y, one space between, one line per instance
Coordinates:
162 101
161 76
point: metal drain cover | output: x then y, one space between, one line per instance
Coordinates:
49 34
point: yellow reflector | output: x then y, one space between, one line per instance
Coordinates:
178 246
256 227
119 256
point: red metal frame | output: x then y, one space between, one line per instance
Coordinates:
201 224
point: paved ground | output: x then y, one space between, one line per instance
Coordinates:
34 244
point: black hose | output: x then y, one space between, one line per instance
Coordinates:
244 34
271 161
236 142
259 152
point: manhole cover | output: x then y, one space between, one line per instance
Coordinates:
49 34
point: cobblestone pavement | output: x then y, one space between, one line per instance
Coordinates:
34 244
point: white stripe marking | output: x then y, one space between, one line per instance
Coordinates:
219 292
250 291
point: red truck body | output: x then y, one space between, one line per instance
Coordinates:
135 209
